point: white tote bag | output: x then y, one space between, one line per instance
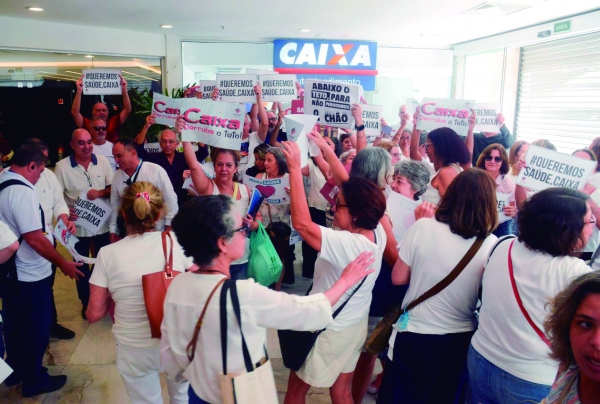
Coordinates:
257 384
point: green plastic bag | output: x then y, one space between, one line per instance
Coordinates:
264 265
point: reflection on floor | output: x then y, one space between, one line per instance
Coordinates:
89 359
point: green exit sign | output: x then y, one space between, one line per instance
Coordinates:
563 26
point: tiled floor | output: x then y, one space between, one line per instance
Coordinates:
89 359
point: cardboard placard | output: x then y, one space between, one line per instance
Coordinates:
297 128
92 214
207 87
331 102
272 189
372 119
402 213
237 87
68 240
545 168
442 112
486 117
297 107
278 87
503 201
101 82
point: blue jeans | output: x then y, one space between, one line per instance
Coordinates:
490 384
239 272
503 229
194 399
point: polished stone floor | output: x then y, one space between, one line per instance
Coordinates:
89 359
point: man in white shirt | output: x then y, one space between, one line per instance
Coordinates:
132 169
88 173
27 276
102 146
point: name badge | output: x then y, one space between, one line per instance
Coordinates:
402 321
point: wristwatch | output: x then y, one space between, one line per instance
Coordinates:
361 127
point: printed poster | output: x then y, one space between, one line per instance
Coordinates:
402 213
297 107
207 87
503 201
237 87
101 82
297 128
68 240
486 117
331 102
272 189
92 214
441 112
372 120
330 191
278 87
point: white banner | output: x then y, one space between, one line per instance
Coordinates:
272 189
486 117
67 240
278 87
331 102
441 112
207 87
402 213
297 128
237 87
372 120
546 168
92 214
101 82
167 109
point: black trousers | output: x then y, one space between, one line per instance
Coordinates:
309 254
83 248
26 313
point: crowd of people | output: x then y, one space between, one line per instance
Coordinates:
495 305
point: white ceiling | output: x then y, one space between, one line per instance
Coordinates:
402 23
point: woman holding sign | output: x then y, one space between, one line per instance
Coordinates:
226 165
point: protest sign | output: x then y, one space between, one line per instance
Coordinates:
503 201
297 128
331 102
5 370
441 112
411 106
167 109
67 240
92 214
101 82
402 213
272 189
486 117
207 87
297 107
545 168
330 191
237 87
372 119
189 185
152 147
278 87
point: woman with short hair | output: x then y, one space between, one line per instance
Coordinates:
118 275
345 140
392 149
410 179
553 224
429 348
348 157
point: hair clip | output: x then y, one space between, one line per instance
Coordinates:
143 195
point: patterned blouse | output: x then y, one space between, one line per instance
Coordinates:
567 380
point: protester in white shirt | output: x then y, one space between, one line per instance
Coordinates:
430 349
133 169
594 202
102 146
211 230
553 224
118 275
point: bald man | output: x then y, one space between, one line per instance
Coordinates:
101 110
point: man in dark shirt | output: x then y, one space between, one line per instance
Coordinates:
483 140
169 158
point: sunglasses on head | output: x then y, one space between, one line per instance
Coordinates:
100 128
497 159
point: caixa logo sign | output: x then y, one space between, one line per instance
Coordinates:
336 57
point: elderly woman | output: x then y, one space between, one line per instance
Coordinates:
211 230
430 344
118 275
348 157
410 179
360 205
519 278
392 149
574 330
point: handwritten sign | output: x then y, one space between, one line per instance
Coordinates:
237 87
297 107
101 82
64 237
402 213
278 87
297 128
92 213
272 189
486 117
440 112
331 102
546 168
372 120
207 87
503 201
330 191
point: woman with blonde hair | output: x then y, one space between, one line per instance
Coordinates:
118 275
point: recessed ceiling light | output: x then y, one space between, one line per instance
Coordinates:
35 9
69 54
89 56
305 30
166 26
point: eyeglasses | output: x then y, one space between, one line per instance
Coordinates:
100 128
338 204
497 159
168 141
427 144
244 230
592 221
273 119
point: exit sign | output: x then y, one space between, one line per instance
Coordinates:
563 26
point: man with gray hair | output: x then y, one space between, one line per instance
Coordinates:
101 146
168 158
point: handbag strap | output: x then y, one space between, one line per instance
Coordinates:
236 309
191 348
236 190
169 255
441 285
518 297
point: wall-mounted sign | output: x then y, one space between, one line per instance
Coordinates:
345 62
562 27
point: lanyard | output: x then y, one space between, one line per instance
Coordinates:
133 178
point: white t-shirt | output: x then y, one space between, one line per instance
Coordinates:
120 267
261 308
432 251
317 182
595 237
106 151
338 249
242 206
504 336
20 210
7 237
248 160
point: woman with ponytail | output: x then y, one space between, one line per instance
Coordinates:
118 275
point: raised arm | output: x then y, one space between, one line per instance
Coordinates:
76 107
141 137
323 165
361 139
201 182
336 168
273 140
470 140
415 137
126 101
403 122
253 118
262 113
